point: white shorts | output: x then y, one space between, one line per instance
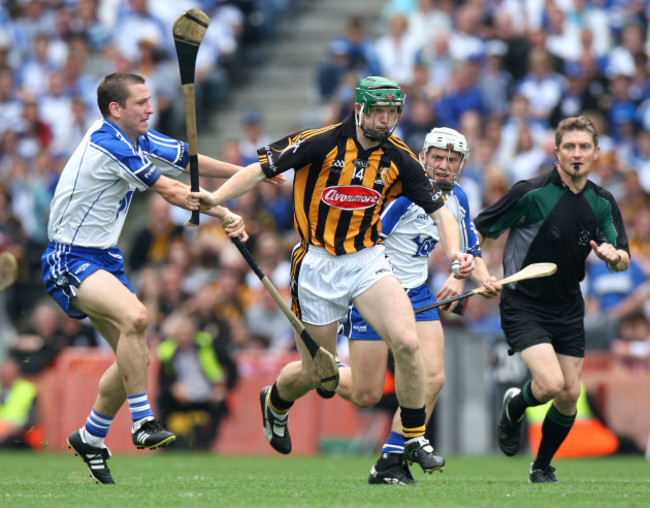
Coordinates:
327 284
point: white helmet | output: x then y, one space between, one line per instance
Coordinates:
446 139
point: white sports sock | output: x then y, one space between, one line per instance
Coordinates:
90 439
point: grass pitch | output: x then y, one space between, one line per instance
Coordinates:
194 479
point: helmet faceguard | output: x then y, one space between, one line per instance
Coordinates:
377 91
446 139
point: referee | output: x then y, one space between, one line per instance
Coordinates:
559 217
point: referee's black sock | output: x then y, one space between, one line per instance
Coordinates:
520 402
555 429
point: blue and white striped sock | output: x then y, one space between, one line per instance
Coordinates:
96 428
394 443
139 406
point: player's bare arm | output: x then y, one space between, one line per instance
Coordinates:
450 240
214 168
240 183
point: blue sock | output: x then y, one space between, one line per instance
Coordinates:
97 425
139 406
394 443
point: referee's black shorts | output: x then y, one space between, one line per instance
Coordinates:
526 323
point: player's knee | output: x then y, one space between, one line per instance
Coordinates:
407 345
551 387
570 395
367 398
435 382
137 320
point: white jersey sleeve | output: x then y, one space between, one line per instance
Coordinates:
410 236
97 184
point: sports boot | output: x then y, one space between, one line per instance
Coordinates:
391 468
149 433
546 475
509 432
420 450
275 430
95 457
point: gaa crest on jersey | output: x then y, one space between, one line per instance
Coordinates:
337 166
350 197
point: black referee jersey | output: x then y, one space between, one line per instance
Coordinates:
549 223
340 189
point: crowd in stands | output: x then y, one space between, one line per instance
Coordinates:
502 72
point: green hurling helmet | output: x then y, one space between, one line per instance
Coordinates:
377 91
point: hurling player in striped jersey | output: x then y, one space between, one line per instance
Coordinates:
344 176
410 236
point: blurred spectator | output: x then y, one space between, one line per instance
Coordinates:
519 116
151 244
55 108
336 65
436 58
360 48
17 406
593 16
35 71
576 97
397 51
529 157
253 137
135 23
606 293
81 333
34 133
172 294
10 107
87 21
495 82
273 258
563 39
541 85
639 235
39 344
195 379
607 173
463 94
277 201
416 122
465 41
631 349
429 18
80 121
268 325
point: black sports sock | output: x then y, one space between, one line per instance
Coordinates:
555 429
278 404
412 422
520 402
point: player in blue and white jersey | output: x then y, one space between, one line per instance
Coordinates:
83 269
410 236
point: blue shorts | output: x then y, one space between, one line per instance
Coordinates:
356 328
65 267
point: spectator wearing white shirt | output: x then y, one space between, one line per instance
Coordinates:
397 51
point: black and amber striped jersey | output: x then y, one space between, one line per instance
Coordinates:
340 189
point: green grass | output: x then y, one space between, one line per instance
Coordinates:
194 479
